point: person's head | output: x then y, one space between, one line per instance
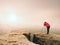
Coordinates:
45 22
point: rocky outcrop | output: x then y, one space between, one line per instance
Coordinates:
14 39
27 38
44 39
51 39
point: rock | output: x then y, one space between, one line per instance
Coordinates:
15 39
44 39
48 39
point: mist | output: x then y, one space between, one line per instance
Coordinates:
16 14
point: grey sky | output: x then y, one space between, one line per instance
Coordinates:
29 13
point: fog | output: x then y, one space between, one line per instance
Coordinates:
15 14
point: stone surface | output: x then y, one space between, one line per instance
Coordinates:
51 39
14 39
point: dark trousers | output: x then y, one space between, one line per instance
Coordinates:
48 29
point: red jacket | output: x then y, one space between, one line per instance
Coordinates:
46 24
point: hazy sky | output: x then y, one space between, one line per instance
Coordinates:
29 13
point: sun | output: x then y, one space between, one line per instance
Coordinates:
12 19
